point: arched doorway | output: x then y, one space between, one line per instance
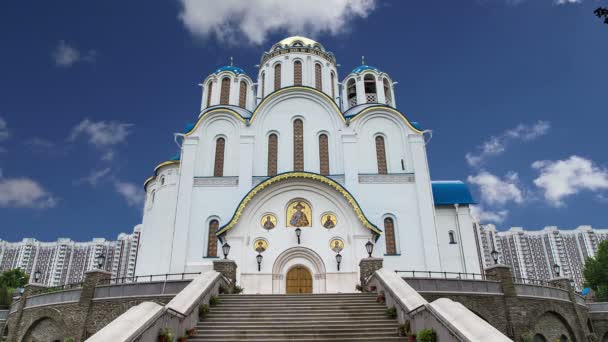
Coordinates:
539 338
299 280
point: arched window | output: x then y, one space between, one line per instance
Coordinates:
263 77
152 196
243 94
332 76
209 89
218 169
225 91
539 338
381 155
323 154
298 145
351 93
387 92
162 180
277 76
389 236
452 237
212 238
273 149
318 77
297 73
369 82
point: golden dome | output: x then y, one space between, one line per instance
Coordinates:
289 41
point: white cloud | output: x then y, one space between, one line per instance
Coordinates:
482 215
94 177
562 178
497 145
102 134
133 194
24 193
563 2
65 55
4 134
234 20
497 191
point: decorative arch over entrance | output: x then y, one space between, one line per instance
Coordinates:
298 257
45 329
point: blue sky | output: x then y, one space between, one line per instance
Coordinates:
91 92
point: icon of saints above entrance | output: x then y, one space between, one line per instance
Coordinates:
299 214
329 220
268 221
336 245
260 245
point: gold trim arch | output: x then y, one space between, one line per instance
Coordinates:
304 175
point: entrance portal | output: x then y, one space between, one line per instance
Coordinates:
299 280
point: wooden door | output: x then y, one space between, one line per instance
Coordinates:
299 280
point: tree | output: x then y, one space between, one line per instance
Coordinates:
13 278
601 12
596 271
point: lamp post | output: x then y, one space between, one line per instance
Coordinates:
494 254
369 246
259 259
298 233
37 275
556 269
338 260
101 260
225 249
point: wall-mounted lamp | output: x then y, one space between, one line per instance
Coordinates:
298 233
259 259
338 260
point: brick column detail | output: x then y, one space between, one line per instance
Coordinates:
503 274
227 268
13 323
91 280
581 330
367 267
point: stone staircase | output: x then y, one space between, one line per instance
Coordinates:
306 317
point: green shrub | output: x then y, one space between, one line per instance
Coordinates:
426 335
391 312
237 289
6 296
214 300
166 335
68 339
223 289
203 310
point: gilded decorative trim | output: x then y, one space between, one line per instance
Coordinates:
392 110
231 111
300 174
151 178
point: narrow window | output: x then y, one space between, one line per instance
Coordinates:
152 196
387 92
369 82
263 82
297 73
452 238
218 169
381 155
351 93
225 91
209 89
332 76
277 76
389 236
298 145
243 94
318 77
323 154
212 239
162 180
272 154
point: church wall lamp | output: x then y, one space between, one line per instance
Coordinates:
101 260
338 260
369 246
225 249
259 258
298 233
494 254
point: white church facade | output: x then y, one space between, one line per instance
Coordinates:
298 151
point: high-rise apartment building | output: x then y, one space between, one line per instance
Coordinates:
532 254
65 261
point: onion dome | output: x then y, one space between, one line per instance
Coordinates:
231 68
363 68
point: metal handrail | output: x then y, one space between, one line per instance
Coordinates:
57 288
537 282
445 275
147 278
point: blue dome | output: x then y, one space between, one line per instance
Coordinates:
231 68
175 157
362 68
451 192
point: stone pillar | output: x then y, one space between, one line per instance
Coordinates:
13 323
91 280
581 331
502 273
367 267
227 268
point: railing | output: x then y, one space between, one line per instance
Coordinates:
53 297
444 275
537 282
149 278
3 315
58 288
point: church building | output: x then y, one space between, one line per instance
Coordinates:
296 174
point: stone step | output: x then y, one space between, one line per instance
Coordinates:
298 339
231 312
298 296
291 318
341 331
232 301
293 325
268 335
293 308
